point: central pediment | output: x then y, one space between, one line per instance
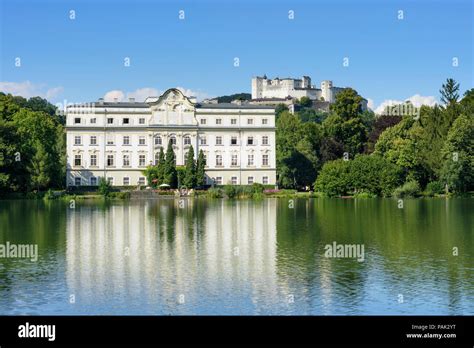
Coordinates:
172 108
173 99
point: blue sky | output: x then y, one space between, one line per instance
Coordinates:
83 59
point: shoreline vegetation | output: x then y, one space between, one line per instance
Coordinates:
348 152
226 192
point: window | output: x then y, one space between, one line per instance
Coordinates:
250 141
218 180
265 160
233 121
203 140
110 160
265 140
126 181
141 120
126 140
234 160
93 181
233 180
265 180
173 140
264 121
250 121
93 140
93 121
158 140
218 120
141 180
126 121
202 121
205 159
77 181
250 180
77 160
219 140
126 160
93 160
187 140
77 140
157 158
250 160
233 141
141 160
218 160
141 140
77 120
110 120
110 180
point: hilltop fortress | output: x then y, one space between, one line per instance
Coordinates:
284 90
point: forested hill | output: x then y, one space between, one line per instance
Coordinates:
236 96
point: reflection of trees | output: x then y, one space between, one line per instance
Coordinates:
30 222
302 233
408 251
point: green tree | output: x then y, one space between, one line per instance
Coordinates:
39 168
348 104
160 167
279 109
104 187
334 179
449 92
201 169
305 102
458 152
170 176
189 179
348 124
374 174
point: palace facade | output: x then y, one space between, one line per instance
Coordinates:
118 140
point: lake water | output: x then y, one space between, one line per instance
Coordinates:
201 256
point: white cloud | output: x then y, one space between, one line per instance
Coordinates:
191 93
27 89
141 94
417 101
114 95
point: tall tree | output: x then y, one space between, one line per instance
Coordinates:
190 172
170 176
39 168
201 169
458 167
449 92
161 167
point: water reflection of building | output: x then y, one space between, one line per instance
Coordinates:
140 257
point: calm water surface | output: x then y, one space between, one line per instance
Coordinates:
239 257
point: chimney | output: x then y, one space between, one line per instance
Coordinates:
131 100
101 101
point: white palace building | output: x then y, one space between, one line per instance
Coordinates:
118 140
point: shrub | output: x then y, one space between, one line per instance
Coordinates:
104 187
434 188
214 192
334 178
409 189
119 195
258 188
49 195
231 191
365 175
